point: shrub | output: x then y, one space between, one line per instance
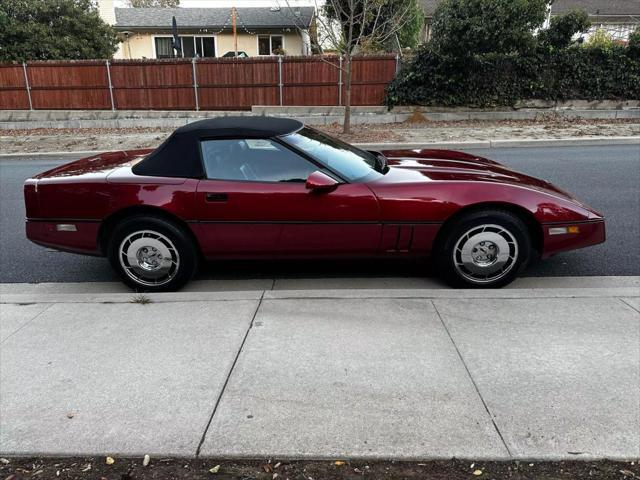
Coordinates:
498 79
53 30
563 28
467 27
634 43
600 40
481 75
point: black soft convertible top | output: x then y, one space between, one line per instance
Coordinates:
179 155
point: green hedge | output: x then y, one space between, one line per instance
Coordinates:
496 79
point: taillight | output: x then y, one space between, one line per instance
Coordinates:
31 198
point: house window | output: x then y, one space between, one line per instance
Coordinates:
164 49
188 47
270 44
191 47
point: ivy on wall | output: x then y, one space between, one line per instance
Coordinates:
497 79
494 53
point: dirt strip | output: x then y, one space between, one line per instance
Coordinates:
108 468
416 131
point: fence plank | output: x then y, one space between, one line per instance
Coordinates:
153 85
310 81
223 83
237 84
13 92
369 79
68 85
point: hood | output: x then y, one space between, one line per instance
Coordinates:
94 168
423 166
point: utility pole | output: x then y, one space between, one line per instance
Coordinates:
234 14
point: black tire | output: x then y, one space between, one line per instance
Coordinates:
180 259
467 248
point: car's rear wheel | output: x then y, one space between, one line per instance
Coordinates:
484 249
152 254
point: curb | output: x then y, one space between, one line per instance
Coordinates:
530 288
512 143
510 294
507 143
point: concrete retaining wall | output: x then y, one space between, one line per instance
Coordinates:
25 119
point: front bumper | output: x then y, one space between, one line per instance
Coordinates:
591 232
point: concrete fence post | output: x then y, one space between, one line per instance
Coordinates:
280 85
26 83
113 104
397 63
195 83
340 81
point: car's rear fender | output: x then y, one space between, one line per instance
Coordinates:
108 225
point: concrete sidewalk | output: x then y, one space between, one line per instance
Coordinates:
527 373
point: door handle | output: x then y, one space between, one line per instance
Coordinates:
216 197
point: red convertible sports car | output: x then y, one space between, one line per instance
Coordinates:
260 187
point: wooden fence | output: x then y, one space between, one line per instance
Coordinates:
198 84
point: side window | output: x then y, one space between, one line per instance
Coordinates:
253 160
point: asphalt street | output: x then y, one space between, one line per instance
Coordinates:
607 178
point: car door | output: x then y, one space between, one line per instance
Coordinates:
254 202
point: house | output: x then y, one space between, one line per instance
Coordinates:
208 32
617 17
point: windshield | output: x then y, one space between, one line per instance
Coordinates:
351 163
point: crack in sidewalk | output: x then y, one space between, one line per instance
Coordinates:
226 382
475 385
628 305
28 322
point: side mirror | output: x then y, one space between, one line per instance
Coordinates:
321 183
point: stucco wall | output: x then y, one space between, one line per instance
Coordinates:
136 46
141 45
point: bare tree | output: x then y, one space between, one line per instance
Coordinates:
355 26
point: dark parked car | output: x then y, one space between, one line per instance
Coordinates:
233 54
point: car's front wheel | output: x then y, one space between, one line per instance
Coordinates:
484 249
152 254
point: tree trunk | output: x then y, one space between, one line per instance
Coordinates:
346 128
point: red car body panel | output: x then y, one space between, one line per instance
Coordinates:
399 213
285 218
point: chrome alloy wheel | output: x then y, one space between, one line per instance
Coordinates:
485 253
149 258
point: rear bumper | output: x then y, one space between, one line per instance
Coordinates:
590 233
83 240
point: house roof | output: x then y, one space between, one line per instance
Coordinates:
593 7
214 18
599 7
